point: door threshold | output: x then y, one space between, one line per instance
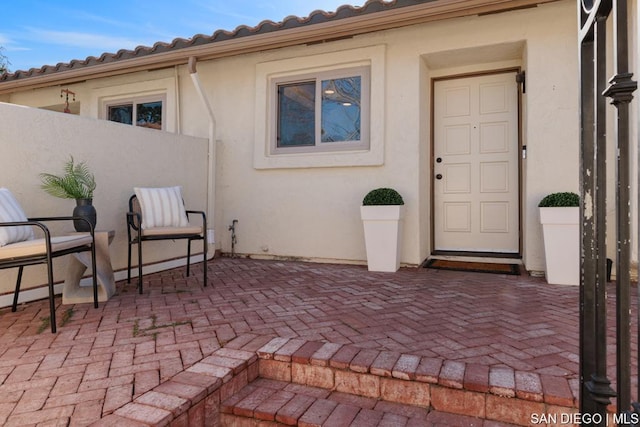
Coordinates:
478 254
489 258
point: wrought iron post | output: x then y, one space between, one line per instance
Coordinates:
587 224
595 392
620 91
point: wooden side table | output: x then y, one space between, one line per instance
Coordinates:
73 293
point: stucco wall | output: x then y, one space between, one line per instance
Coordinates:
311 210
121 157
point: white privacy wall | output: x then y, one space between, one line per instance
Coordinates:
121 157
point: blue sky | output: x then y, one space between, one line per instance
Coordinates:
34 33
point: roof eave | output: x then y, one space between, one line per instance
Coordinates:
305 34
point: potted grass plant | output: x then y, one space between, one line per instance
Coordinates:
559 216
382 214
77 182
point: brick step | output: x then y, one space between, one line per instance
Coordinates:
496 393
232 382
267 402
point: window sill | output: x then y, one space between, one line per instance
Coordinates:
324 159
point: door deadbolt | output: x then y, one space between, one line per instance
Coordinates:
439 160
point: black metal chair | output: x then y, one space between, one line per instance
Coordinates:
42 251
138 233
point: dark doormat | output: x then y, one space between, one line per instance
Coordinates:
476 267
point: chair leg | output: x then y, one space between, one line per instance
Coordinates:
140 267
14 307
205 243
204 262
94 275
52 302
188 256
129 261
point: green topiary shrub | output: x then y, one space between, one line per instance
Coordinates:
558 200
383 196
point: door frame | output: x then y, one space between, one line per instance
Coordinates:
521 151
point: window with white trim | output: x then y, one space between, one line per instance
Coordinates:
145 112
341 146
326 111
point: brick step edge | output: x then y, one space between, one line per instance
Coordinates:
495 393
192 397
278 403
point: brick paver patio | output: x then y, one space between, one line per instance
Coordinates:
102 359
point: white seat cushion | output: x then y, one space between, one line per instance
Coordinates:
10 211
39 246
162 207
162 231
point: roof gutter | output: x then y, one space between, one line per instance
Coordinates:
304 33
211 153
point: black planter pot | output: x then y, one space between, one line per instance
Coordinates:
84 209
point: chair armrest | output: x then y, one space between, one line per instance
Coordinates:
134 220
34 222
53 218
204 217
63 218
196 212
204 222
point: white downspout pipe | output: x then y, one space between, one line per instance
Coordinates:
176 80
211 154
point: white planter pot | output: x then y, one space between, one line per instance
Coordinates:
561 231
382 235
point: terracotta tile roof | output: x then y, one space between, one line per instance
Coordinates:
346 21
290 22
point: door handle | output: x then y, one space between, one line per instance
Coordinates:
439 176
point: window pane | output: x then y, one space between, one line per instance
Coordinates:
121 113
296 114
341 109
149 115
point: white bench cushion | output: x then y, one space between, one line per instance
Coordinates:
161 231
39 246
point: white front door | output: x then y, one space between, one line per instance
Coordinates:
476 164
